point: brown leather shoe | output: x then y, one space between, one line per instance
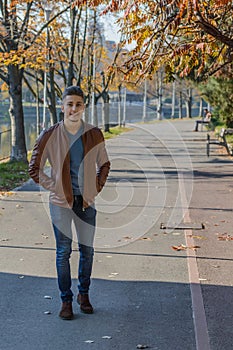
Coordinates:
85 305
66 312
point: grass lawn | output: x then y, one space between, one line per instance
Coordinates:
12 175
115 131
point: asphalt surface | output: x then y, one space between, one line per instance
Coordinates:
160 279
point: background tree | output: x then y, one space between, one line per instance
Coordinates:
186 37
20 30
219 93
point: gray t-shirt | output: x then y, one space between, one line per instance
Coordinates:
76 161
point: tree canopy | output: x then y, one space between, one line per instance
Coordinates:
186 36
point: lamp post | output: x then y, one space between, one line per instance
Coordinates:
47 6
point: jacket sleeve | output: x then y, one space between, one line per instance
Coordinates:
103 164
37 162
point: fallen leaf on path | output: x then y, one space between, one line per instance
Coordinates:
176 233
127 237
184 247
179 247
194 247
47 312
6 194
196 237
225 237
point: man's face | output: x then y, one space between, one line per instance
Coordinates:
73 107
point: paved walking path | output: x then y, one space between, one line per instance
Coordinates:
144 292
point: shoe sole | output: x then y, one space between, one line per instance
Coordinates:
67 318
86 312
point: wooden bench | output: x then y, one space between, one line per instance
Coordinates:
220 141
202 122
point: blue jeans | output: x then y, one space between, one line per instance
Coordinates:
84 223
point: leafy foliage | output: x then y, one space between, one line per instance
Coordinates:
187 36
219 92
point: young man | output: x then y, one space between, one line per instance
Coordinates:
79 169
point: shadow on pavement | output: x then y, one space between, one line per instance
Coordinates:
157 314
130 312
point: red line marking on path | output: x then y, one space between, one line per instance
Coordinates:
199 316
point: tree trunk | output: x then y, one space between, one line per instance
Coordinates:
201 107
124 106
52 94
18 144
96 123
119 106
160 96
144 101
72 43
173 99
105 111
188 103
38 124
180 105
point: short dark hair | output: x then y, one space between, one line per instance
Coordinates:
73 90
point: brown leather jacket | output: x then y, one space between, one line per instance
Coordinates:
53 146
